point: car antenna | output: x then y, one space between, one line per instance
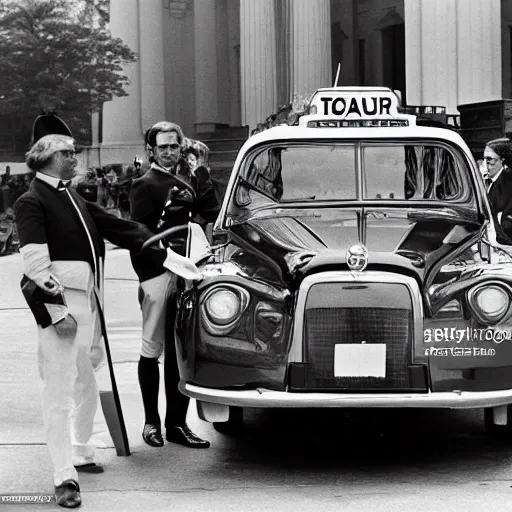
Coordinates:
337 75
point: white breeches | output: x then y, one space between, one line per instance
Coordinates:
70 393
153 296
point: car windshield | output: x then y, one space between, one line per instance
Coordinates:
364 171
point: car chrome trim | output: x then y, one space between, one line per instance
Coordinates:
296 347
268 398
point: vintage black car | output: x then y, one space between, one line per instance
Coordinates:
354 264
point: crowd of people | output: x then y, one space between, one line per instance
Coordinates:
12 187
109 186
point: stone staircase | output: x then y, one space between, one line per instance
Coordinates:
224 145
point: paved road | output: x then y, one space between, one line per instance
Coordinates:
299 460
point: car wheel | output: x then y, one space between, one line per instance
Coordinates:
502 432
235 424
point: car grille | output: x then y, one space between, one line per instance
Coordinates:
346 323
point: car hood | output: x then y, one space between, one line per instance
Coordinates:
301 241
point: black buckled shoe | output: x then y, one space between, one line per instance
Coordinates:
67 494
91 467
152 436
185 436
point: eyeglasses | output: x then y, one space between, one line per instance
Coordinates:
490 160
68 153
172 147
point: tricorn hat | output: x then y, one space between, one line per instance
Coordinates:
49 124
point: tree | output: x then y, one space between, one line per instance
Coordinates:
58 55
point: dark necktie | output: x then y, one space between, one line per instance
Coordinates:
63 185
487 181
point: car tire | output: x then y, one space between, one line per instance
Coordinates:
235 424
501 432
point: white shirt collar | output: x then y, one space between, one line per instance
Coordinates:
51 180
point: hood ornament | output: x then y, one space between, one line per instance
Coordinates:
357 258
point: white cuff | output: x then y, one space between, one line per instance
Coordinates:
57 312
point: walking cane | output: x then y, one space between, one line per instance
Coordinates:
110 402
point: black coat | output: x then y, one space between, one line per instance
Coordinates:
149 204
500 197
44 215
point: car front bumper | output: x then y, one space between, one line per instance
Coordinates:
281 399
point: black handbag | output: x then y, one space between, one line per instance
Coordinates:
37 299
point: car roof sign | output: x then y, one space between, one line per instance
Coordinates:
355 106
355 103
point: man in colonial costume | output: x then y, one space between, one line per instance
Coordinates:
61 241
168 195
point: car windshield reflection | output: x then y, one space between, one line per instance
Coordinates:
358 171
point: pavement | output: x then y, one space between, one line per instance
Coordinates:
24 463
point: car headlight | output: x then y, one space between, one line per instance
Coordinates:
222 307
490 302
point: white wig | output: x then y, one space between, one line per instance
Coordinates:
42 151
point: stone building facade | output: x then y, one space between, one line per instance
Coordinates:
215 65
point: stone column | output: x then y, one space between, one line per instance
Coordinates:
233 15
179 69
413 52
479 63
122 116
310 45
151 62
206 57
453 52
257 60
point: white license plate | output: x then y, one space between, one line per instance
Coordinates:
360 360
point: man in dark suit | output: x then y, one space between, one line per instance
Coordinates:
171 184
497 158
61 241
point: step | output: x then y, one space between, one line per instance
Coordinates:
227 156
222 164
233 132
224 144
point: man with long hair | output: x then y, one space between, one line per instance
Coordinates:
171 190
